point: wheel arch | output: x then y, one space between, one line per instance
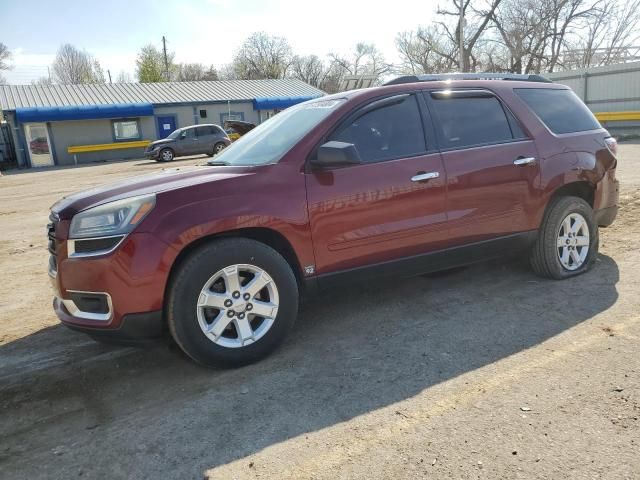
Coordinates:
581 189
267 236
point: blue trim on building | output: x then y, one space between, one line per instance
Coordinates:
277 103
83 112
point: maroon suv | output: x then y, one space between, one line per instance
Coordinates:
422 174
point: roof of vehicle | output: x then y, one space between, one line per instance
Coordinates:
199 125
439 77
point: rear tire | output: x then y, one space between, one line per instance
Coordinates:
233 334
567 243
218 147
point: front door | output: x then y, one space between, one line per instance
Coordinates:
166 125
392 205
38 144
187 143
491 165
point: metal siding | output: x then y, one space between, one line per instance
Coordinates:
87 132
613 88
23 96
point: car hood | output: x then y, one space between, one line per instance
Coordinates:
156 143
168 179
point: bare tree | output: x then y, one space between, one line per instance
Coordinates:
612 29
195 72
5 56
262 56
424 51
524 29
365 60
74 66
227 72
310 69
523 36
124 77
45 81
477 15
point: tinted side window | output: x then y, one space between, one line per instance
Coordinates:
204 131
560 110
388 132
463 122
189 132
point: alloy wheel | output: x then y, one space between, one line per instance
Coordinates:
167 155
573 241
237 306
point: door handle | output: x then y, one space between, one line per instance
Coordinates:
524 161
421 177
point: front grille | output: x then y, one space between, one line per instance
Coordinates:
51 243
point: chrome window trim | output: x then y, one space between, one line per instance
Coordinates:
71 246
73 309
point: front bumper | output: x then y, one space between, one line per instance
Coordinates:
153 154
114 296
133 328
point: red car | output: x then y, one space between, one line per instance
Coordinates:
422 174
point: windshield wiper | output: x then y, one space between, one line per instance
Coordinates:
217 163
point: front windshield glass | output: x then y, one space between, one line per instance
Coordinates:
175 134
270 140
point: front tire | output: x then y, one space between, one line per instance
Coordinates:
567 243
232 302
166 155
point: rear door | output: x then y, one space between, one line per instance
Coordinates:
205 136
491 163
390 206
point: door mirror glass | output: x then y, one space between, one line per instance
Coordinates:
336 153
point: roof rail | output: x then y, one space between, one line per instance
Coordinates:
468 76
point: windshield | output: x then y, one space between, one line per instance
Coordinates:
175 134
270 140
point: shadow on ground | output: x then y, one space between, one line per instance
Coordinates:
73 407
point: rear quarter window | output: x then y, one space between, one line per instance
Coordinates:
560 110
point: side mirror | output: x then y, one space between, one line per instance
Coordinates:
334 153
183 135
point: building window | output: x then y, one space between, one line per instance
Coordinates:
203 114
126 130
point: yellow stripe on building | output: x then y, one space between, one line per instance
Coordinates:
107 146
617 116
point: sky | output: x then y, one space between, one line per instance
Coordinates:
205 31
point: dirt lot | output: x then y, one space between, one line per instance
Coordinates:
489 372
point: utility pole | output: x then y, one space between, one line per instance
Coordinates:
461 36
49 73
109 73
166 62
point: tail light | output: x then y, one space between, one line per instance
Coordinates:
612 145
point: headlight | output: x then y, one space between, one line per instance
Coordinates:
114 218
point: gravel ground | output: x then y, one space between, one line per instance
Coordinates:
486 372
